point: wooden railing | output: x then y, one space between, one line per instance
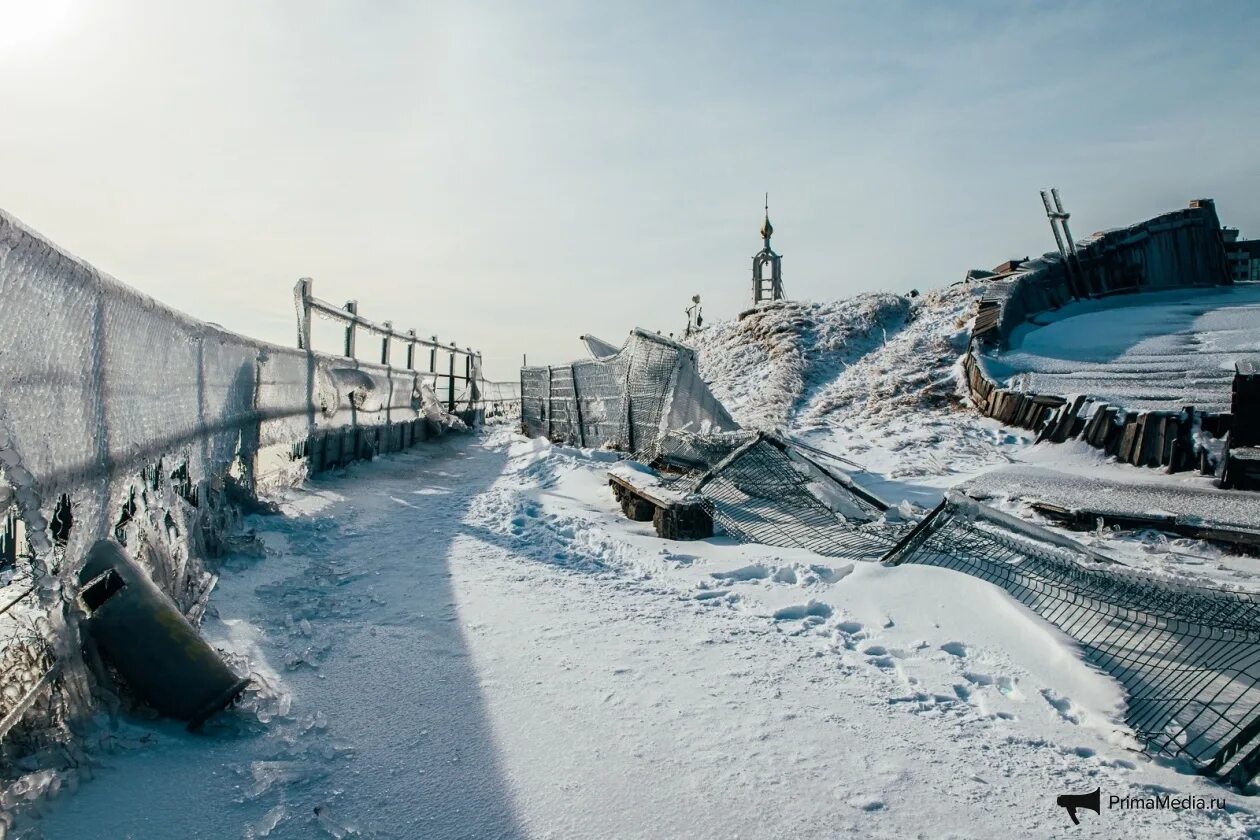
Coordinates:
467 372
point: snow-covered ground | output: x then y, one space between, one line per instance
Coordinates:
1157 350
468 640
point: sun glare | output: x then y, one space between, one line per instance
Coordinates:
29 25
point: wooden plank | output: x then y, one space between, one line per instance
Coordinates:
1245 403
1067 420
1115 433
1139 440
1124 451
1091 433
1155 443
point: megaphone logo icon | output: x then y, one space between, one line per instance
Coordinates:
1072 801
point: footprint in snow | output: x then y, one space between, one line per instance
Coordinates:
797 612
1066 709
744 573
827 574
785 575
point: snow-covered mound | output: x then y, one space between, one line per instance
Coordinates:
797 363
913 368
762 365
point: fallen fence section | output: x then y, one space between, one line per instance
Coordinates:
1188 657
759 488
766 491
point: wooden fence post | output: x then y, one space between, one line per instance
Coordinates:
302 298
411 350
352 306
1245 403
577 407
385 342
450 382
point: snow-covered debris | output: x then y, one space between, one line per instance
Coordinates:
1143 494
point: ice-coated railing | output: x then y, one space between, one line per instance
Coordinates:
122 417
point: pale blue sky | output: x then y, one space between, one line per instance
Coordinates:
512 175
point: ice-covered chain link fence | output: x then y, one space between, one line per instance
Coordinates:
1188 657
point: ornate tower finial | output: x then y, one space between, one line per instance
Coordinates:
767 265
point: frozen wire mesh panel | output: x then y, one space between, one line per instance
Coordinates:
602 403
689 450
627 400
1189 657
652 366
563 414
534 396
758 493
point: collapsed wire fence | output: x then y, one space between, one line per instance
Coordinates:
764 491
649 399
1189 657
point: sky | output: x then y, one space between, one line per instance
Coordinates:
511 176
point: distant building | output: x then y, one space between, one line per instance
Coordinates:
767 266
1243 256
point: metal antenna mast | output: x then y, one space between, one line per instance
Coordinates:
1063 238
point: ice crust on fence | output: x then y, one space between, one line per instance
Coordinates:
99 378
627 401
133 417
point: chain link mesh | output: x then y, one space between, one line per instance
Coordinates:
1189 657
624 401
764 492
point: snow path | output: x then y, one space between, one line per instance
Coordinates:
468 641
